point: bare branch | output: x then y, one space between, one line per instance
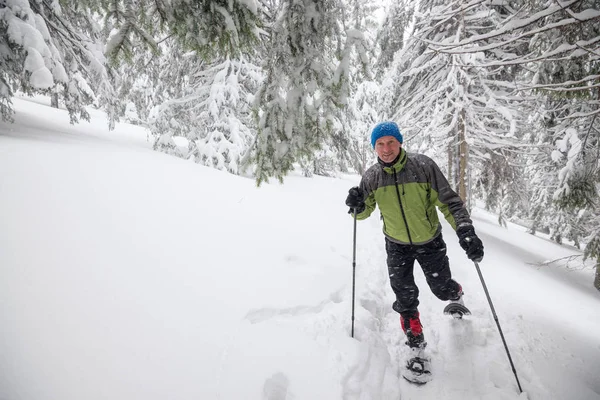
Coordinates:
569 259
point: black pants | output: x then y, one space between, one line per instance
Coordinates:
434 263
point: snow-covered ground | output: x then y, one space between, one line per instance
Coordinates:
127 274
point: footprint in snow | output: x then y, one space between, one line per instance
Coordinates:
276 388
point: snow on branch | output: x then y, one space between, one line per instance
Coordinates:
578 49
562 86
582 115
459 47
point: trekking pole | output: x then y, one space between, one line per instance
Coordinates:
353 271
498 324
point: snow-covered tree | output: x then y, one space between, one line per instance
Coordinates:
578 188
213 113
211 27
538 170
307 60
347 146
362 117
391 35
502 185
149 79
53 48
592 250
57 47
563 74
448 103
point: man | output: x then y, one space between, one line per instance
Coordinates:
407 188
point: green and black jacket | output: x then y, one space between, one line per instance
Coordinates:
407 194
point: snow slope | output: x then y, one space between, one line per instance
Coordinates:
129 274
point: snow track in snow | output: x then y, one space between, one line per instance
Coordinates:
467 356
119 266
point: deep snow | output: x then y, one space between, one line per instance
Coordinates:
129 274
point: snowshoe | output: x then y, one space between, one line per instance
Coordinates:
456 307
457 310
418 367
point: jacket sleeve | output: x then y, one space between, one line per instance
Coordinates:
369 201
446 199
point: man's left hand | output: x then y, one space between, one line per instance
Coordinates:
470 243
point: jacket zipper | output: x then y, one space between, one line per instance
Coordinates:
401 207
428 220
426 212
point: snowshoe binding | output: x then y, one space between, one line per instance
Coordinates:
418 367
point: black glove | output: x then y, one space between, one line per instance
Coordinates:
356 200
470 243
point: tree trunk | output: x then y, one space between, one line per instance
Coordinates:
463 157
54 100
451 163
463 149
597 279
450 160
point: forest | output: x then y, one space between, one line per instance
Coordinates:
504 95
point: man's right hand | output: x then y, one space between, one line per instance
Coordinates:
356 200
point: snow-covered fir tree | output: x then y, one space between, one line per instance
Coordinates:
501 185
361 114
448 103
54 48
213 112
151 78
345 148
563 80
362 117
391 35
561 52
211 27
306 81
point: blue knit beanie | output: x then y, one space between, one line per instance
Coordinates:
386 128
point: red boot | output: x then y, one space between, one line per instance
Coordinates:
411 325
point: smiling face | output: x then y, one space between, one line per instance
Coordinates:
387 148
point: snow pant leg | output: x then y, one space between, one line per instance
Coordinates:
401 261
436 267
